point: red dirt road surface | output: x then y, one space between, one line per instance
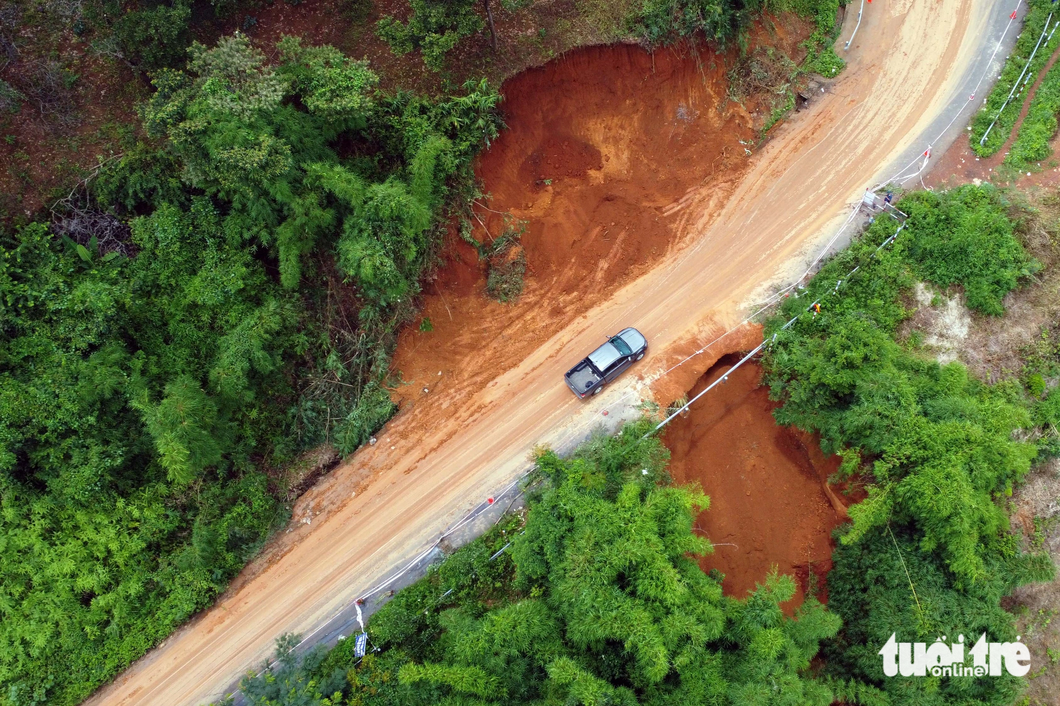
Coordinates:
452 447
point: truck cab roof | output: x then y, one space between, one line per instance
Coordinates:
605 355
623 344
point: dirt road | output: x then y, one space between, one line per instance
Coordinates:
446 454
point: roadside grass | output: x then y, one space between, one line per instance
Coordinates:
1031 146
821 57
607 18
1033 25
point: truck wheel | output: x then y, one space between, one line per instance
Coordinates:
641 355
597 390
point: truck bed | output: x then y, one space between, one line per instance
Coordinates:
580 377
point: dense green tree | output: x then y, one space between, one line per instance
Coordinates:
941 443
143 383
182 426
237 134
886 585
929 552
152 37
106 415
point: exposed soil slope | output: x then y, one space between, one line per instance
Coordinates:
600 147
768 505
389 501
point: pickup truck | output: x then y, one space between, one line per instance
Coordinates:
606 363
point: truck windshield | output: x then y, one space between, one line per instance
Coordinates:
621 346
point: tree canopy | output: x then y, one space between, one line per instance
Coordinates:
148 379
929 552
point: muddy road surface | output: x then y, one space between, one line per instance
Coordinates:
446 452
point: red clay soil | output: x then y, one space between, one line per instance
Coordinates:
769 503
601 146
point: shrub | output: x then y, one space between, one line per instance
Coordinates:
155 37
964 236
372 410
507 268
47 86
435 28
662 21
824 61
10 99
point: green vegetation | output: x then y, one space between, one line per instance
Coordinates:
662 21
770 73
869 587
144 34
153 36
820 47
1033 24
1031 145
843 374
939 446
10 99
150 371
657 22
598 600
507 269
435 28
130 388
1041 362
964 237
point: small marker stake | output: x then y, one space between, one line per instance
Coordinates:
489 500
604 412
